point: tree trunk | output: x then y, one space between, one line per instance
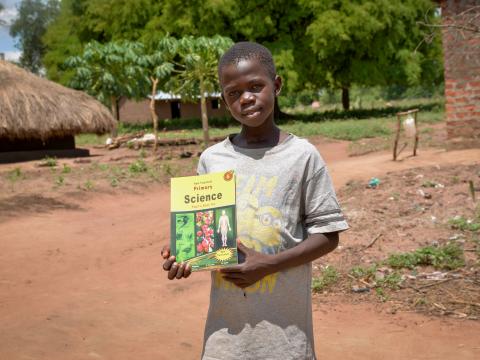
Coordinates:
203 107
346 98
154 114
114 108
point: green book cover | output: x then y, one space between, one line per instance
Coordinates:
203 220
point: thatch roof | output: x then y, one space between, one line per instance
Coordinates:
33 107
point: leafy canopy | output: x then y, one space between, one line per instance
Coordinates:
109 71
28 28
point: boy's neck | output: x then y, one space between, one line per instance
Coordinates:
266 135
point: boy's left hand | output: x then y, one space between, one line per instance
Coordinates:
255 267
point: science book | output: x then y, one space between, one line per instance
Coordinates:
203 220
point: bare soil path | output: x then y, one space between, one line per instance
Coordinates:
86 283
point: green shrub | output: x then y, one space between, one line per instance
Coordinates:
328 277
447 257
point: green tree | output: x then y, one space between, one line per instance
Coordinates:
157 64
371 42
2 22
29 27
109 72
197 70
65 37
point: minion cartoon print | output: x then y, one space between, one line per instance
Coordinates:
259 225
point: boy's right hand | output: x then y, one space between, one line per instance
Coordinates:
175 270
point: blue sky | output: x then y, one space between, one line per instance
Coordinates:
7 44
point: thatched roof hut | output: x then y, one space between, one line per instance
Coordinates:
33 108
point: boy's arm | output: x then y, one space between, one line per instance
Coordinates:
258 265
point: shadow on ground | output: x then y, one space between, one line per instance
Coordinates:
21 204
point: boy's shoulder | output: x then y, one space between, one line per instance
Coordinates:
306 149
294 145
214 149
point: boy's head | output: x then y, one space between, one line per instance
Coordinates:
249 83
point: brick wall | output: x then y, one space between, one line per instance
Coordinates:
462 73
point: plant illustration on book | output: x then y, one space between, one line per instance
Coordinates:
205 234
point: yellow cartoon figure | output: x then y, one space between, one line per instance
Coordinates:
260 230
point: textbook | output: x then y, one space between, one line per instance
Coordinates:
203 220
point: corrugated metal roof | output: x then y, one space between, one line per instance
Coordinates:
169 96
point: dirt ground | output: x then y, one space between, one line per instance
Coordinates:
80 266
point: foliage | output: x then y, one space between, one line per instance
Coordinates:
197 75
449 256
464 224
34 16
59 180
49 161
15 175
109 71
2 22
314 43
66 169
328 277
156 63
390 280
65 36
139 166
371 42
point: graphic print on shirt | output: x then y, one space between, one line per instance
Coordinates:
259 225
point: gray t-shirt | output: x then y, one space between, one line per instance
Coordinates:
284 193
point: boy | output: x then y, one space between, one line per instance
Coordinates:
287 216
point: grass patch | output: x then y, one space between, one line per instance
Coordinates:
60 180
343 125
15 175
463 224
66 169
137 167
341 130
49 162
328 277
372 274
448 257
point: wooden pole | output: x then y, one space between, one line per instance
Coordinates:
397 137
416 134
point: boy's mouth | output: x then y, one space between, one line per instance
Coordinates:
251 112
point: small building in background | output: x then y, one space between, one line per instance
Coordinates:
168 106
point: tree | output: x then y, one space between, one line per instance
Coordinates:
157 65
197 70
370 42
109 72
2 23
33 18
65 37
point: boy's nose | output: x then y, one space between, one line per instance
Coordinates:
247 98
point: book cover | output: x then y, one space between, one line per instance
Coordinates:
203 220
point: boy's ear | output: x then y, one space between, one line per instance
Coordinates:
278 85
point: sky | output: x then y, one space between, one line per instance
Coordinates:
7 44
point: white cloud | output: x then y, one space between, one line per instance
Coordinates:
7 15
12 55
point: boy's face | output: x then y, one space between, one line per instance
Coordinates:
249 91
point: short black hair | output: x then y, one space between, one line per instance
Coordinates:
246 50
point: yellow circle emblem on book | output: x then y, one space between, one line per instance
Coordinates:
224 254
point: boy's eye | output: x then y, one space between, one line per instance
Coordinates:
257 87
235 93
